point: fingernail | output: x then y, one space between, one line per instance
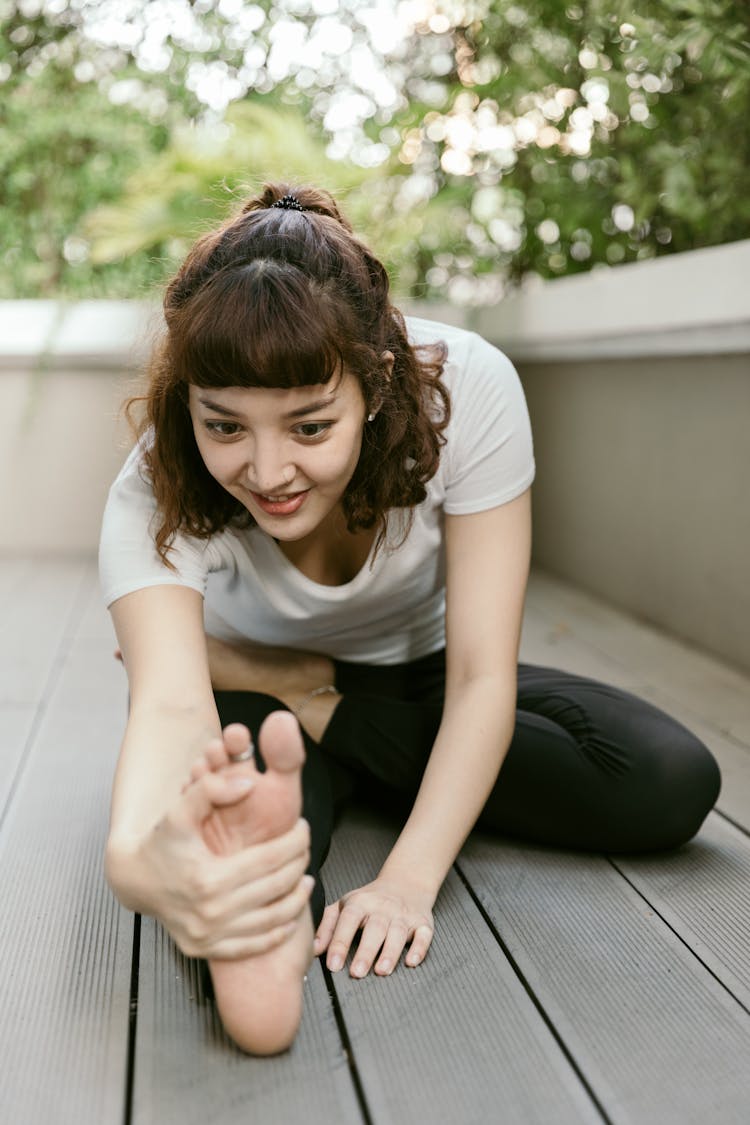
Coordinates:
384 966
335 963
359 969
308 883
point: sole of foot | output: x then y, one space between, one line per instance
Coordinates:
260 999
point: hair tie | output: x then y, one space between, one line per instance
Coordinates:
288 203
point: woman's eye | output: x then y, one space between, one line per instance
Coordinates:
222 429
312 429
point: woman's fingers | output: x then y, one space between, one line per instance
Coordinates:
263 861
238 949
198 800
420 943
393 947
351 917
326 928
270 893
207 936
389 913
371 943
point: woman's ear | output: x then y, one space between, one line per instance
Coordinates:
388 359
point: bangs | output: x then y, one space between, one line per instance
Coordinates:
263 324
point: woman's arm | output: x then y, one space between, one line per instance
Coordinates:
156 859
487 569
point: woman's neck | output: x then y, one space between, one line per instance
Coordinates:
331 556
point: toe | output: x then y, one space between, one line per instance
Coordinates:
236 739
199 768
216 755
281 742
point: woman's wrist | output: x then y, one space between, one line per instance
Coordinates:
121 869
413 875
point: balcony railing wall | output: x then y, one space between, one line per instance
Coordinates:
638 384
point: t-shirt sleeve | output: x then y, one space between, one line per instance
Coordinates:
489 451
128 559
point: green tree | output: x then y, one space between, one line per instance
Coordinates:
521 136
63 149
600 132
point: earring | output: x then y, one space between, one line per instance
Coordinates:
371 417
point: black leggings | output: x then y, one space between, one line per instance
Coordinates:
589 766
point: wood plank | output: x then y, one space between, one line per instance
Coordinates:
458 1039
701 891
66 944
186 1068
661 1042
557 640
34 624
734 762
696 682
38 599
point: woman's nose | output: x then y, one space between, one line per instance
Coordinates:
267 472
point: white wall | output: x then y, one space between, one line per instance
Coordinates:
64 372
638 385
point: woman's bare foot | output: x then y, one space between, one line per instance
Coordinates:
260 999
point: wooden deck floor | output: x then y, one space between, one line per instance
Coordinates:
560 988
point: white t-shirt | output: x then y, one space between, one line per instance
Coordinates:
393 610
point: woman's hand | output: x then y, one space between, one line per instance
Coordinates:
222 907
390 913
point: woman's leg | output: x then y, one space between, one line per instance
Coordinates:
594 767
589 766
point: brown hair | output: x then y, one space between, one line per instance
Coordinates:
286 298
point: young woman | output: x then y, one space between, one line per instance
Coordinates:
326 524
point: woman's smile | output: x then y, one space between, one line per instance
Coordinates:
285 505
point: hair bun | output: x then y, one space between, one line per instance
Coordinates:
289 197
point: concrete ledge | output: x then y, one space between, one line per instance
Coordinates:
687 304
76 335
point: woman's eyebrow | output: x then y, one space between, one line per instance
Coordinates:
298 412
218 409
312 407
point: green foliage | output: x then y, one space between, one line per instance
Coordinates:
663 166
59 157
203 173
531 138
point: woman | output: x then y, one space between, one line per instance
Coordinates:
328 514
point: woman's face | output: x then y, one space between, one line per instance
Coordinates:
287 455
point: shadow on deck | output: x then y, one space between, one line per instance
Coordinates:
560 989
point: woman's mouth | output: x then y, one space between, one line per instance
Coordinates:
280 505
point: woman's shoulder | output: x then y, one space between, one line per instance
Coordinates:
128 559
133 478
466 350
420 331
